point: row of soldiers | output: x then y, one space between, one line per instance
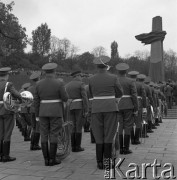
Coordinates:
115 103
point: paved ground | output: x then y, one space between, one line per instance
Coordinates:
161 145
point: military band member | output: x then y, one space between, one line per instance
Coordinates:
48 98
90 113
78 108
25 116
149 101
35 135
7 120
104 89
156 103
128 107
141 108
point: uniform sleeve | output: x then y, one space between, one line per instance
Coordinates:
14 92
154 98
84 98
143 95
63 93
134 95
36 102
118 89
90 90
150 97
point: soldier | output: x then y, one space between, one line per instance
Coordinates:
141 108
149 101
78 108
175 93
7 120
104 89
128 107
35 136
49 94
90 113
25 116
169 94
156 102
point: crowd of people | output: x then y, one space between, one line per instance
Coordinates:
117 109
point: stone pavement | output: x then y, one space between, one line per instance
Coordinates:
161 145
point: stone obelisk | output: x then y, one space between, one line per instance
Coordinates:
156 69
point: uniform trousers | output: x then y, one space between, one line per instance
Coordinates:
104 126
76 116
126 121
7 123
50 128
35 124
138 119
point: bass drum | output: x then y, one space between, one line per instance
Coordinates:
64 138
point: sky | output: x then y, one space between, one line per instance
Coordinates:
92 23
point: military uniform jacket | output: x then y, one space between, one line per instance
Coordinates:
141 94
49 89
175 90
104 85
23 110
129 89
32 90
149 95
168 90
14 93
77 94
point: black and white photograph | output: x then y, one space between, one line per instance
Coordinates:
88 89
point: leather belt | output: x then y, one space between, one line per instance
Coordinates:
76 100
51 101
104 97
125 96
90 99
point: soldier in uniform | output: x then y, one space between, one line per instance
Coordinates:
128 107
141 108
104 89
169 95
7 120
149 101
25 116
35 135
48 97
78 108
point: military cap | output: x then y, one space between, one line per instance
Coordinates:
26 85
49 67
133 73
4 70
75 73
101 60
141 76
35 75
122 67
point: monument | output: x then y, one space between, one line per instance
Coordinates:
155 38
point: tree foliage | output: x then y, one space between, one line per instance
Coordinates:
41 40
99 51
12 35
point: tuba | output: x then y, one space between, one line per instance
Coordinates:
14 105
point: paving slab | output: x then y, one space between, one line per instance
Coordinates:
161 146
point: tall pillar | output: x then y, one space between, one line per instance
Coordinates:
156 70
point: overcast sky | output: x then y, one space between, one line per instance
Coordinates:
91 23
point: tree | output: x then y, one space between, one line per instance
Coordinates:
170 63
41 40
85 61
99 51
114 50
142 55
12 35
